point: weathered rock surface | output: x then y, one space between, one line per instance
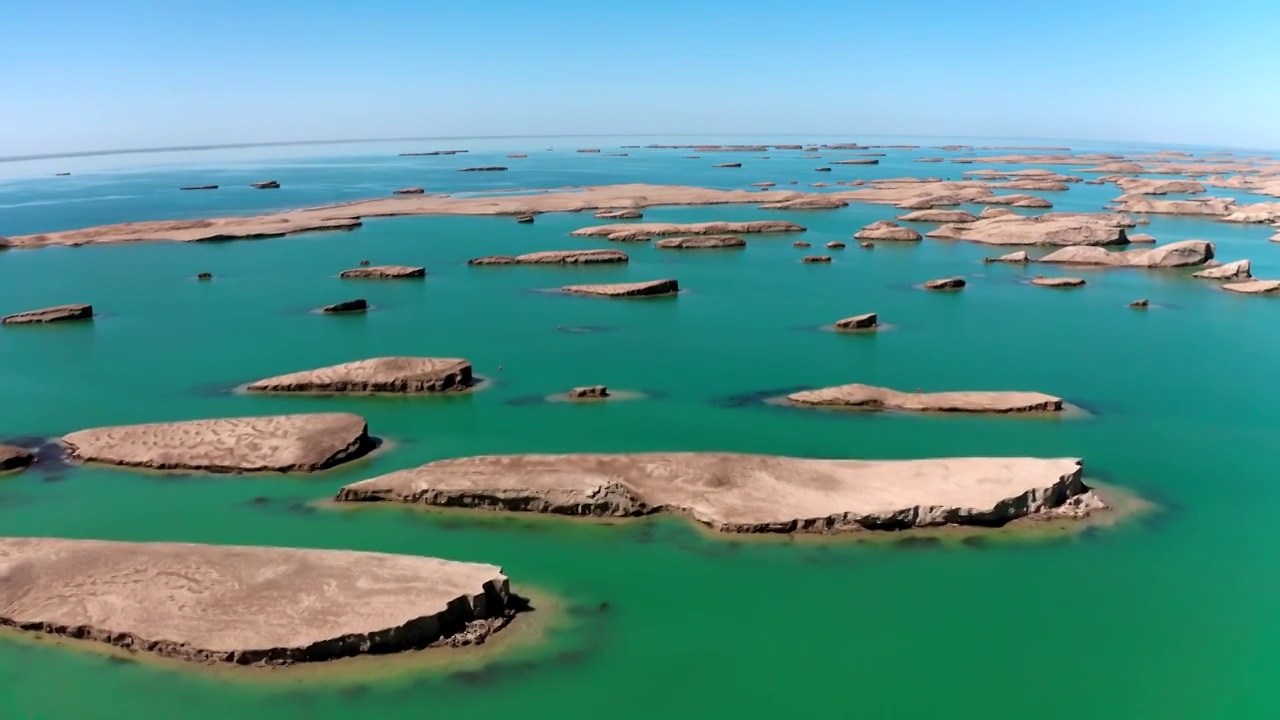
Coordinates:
801 244
409 191
836 245
265 185
1141 238
204 276
749 493
485 168
1178 254
995 212
199 187
278 443
400 375
952 283
1140 304
1200 206
554 257
887 230
728 165
1238 270
635 289
1021 201
384 272
817 259
939 216
524 219
865 321
60 313
644 231
1144 186
253 606
1058 282
347 306
1020 256
859 161
807 203
619 214
1047 229
701 242
1253 287
14 458
589 392
869 397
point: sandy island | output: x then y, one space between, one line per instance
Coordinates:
276 443
398 375
252 606
749 493
869 397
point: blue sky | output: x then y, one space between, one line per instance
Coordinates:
80 75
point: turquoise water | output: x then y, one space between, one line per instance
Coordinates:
1168 615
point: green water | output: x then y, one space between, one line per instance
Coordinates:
1168 615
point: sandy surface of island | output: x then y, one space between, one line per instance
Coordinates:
1177 254
253 606
274 443
645 231
400 375
649 288
749 493
1047 229
60 313
869 397
554 257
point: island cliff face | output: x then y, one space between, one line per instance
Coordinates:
252 606
399 375
749 493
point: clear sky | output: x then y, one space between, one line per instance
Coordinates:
98 74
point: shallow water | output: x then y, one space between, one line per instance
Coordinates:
1167 615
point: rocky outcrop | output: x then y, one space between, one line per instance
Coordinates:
835 245
1141 238
554 257
951 283
622 214
1020 201
1140 304
485 168
643 231
394 375
1020 256
1254 287
251 606
651 288
821 202
1200 206
384 272
748 493
1178 254
868 397
995 212
358 305
867 245
265 185
589 392
204 276
1238 270
866 321
517 156
59 313
887 230
279 443
1058 282
199 187
701 242
859 161
524 219
1118 168
1047 229
811 259
409 191
1144 186
728 165
15 458
938 216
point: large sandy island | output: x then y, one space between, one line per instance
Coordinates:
247 605
869 397
748 493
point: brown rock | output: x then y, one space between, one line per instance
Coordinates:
554 257
589 392
265 185
60 313
628 232
1141 304
651 288
953 283
1253 287
866 245
800 244
858 322
1238 270
1058 282
200 187
728 165
280 443
938 216
1020 256
14 458
995 212
860 161
1141 238
1179 254
817 259
524 219
204 276
822 169
821 202
347 306
624 214
887 230
836 245
877 398
364 263
384 272
399 375
485 168
1047 229
409 191
701 242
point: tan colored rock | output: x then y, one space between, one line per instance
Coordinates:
1238 270
60 313
383 272
253 606
517 156
1058 282
279 443
701 242
869 397
1020 256
1178 254
938 216
952 283
624 214
748 493
858 161
865 321
817 259
1257 213
835 245
1119 168
764 184
1022 201
1199 206
14 458
995 212
1141 238
1144 186
1047 229
1253 287
554 257
887 230
524 219
821 202
399 375
644 231
868 245
636 289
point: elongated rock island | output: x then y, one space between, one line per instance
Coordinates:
252 606
749 493
701 242
649 288
644 231
869 397
61 313
274 443
400 375
383 272
554 257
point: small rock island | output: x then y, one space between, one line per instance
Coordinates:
652 288
869 397
383 272
249 606
60 313
399 375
